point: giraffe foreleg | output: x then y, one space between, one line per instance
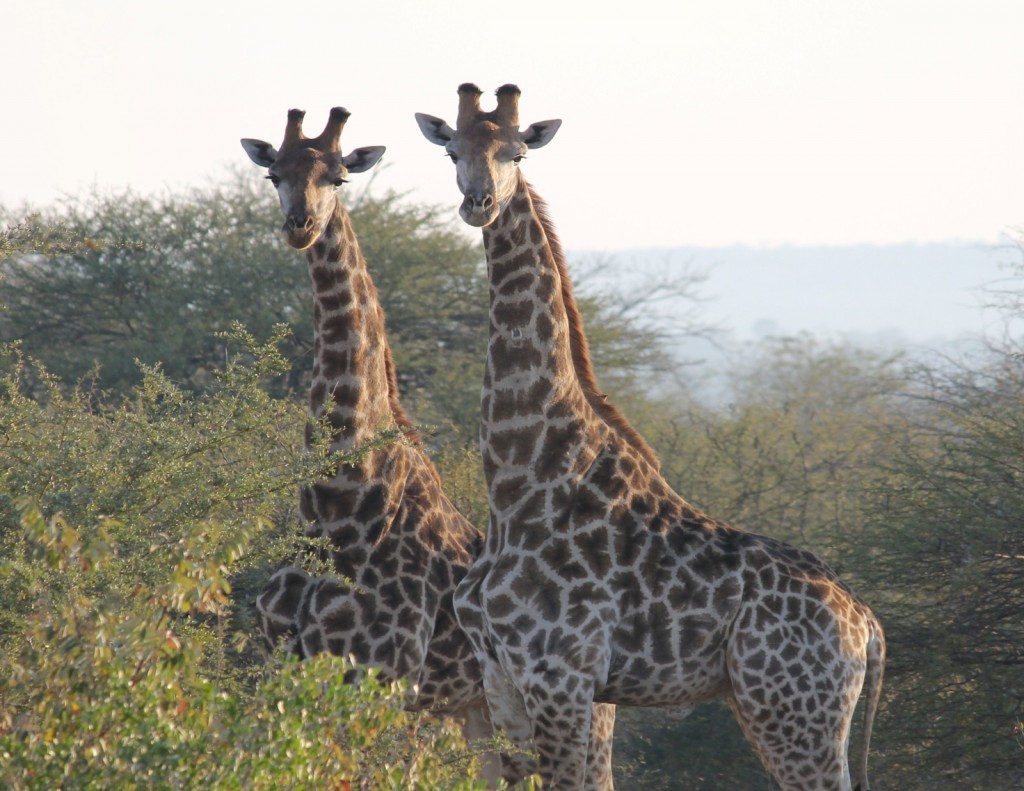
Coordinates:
509 715
561 723
509 718
599 751
475 720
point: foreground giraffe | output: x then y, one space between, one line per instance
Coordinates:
392 530
597 582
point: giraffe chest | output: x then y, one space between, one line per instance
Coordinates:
647 612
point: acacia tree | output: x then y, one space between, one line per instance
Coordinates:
156 278
947 552
152 279
134 531
787 445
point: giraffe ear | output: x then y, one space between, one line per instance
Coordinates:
435 129
360 159
260 152
541 133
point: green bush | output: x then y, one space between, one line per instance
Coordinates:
134 538
113 694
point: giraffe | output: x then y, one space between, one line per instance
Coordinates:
392 531
597 581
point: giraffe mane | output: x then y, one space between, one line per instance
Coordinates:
401 417
579 346
397 410
409 431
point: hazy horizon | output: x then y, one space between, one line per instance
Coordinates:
926 296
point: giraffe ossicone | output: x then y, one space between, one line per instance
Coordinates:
598 582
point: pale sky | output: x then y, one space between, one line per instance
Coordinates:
685 122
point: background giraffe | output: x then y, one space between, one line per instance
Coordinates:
392 530
597 581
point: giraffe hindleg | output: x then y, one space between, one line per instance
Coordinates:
801 739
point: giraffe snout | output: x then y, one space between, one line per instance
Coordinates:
479 208
299 222
300 230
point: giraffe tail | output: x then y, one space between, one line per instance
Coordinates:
873 689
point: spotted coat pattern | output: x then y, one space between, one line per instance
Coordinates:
392 531
598 581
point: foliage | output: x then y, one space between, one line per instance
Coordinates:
109 693
114 278
153 279
948 557
154 465
132 537
660 750
802 427
94 285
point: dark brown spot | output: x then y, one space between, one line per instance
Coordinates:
594 547
335 329
513 314
499 246
545 328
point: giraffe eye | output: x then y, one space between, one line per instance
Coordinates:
339 181
273 180
452 157
519 158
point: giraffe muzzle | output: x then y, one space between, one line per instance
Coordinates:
300 231
479 210
299 222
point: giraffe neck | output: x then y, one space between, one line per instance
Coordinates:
542 410
353 375
537 421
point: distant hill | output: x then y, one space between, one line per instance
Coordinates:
901 295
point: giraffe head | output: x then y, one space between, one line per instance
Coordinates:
486 148
306 172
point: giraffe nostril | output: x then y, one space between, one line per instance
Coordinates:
479 200
299 221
